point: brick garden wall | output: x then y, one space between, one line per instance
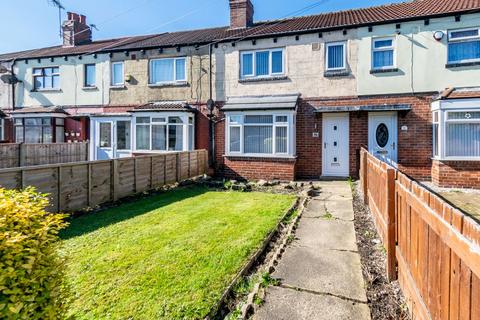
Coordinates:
456 174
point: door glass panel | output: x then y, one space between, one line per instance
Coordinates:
123 135
105 135
381 135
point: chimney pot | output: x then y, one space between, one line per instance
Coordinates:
241 14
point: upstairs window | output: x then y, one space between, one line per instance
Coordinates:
262 63
168 70
117 74
336 58
383 53
46 78
464 45
89 76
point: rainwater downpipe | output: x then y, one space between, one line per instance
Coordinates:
211 106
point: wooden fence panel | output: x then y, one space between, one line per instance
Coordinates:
158 171
100 182
143 172
170 168
74 187
437 247
25 154
45 180
124 177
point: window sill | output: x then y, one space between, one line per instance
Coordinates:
457 159
168 84
336 73
89 88
462 64
254 157
47 90
386 70
122 86
263 79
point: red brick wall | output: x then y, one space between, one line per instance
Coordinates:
258 168
414 145
456 174
309 148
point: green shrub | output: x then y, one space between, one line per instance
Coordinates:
31 271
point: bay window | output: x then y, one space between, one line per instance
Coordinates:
39 130
262 63
336 56
456 131
164 133
169 70
464 45
260 134
383 53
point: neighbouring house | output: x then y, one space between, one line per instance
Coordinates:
291 98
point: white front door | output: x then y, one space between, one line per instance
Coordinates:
335 159
382 136
113 138
104 140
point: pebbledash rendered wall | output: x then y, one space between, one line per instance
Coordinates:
139 90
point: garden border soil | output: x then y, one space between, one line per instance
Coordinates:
385 299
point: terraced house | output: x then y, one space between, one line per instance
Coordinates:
283 99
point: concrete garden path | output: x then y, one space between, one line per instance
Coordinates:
320 272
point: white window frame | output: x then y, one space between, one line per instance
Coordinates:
85 66
391 48
331 44
122 63
254 63
290 125
34 75
185 116
462 39
175 80
443 108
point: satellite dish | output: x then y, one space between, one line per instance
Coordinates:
210 104
8 78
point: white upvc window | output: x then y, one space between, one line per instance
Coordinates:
336 56
262 63
383 53
164 132
260 134
464 45
168 70
456 130
47 78
118 73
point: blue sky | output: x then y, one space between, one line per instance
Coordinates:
27 24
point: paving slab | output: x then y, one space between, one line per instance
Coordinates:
322 233
320 272
328 271
339 209
287 304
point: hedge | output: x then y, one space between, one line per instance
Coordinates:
31 271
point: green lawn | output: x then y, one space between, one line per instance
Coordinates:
167 256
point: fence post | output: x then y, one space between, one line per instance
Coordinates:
390 242
364 173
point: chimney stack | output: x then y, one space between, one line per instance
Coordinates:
241 14
75 30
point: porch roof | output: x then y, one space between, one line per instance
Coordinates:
164 106
371 108
272 102
51 111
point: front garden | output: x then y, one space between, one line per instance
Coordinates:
168 256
